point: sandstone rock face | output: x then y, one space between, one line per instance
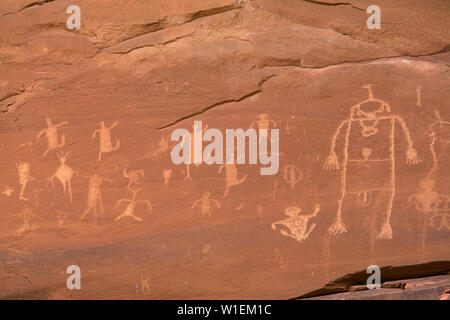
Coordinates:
86 118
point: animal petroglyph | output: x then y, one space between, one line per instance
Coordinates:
129 210
231 177
297 224
51 132
135 178
94 198
105 139
64 174
292 175
205 202
8 191
23 169
366 130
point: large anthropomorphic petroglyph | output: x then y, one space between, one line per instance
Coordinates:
369 156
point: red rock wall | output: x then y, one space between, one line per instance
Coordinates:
150 67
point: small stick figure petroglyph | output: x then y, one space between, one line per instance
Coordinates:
292 175
51 132
279 260
8 191
296 223
205 204
94 198
26 215
61 215
105 139
230 176
167 173
64 173
23 169
134 177
129 210
442 211
263 122
145 285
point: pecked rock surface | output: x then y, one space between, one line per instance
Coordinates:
138 70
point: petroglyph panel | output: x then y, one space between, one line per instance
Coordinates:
87 176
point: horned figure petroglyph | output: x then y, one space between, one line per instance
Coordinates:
135 178
51 132
105 139
129 210
369 119
292 175
296 223
23 169
94 198
205 204
64 174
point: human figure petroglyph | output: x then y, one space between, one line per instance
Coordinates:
61 215
231 176
135 178
188 176
64 174
363 124
8 191
426 200
23 169
51 132
292 175
279 260
105 139
167 174
419 95
129 210
94 198
263 122
205 202
163 148
297 224
441 212
26 216
145 285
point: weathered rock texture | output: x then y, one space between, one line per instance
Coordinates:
149 67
